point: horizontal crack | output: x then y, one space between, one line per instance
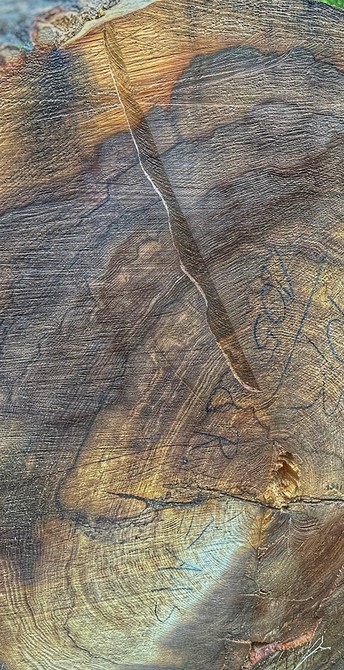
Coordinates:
315 501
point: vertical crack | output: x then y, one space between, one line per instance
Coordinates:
191 260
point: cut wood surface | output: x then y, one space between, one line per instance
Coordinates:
172 336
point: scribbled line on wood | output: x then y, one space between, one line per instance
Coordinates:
271 320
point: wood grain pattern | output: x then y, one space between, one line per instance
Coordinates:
172 311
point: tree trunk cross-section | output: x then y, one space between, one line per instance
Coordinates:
172 335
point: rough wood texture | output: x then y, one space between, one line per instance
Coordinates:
172 314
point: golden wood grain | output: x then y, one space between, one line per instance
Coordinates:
171 294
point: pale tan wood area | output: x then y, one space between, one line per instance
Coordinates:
172 314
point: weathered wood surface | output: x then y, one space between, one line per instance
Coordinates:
172 314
